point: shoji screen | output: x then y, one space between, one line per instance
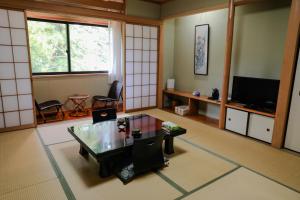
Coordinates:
16 105
141 66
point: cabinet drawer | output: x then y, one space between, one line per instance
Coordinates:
261 127
236 121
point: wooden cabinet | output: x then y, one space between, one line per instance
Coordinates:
236 121
250 124
261 127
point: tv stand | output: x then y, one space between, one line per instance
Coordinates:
251 109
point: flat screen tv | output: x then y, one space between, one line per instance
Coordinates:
256 93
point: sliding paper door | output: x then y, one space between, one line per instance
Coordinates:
141 66
16 105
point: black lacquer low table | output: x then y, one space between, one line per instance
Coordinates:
105 140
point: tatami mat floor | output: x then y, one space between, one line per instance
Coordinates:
209 164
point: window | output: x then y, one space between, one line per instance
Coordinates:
61 47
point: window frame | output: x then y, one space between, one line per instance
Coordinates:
68 50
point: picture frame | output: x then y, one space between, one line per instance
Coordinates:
201 49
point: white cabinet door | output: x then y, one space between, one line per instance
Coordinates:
261 127
236 121
292 140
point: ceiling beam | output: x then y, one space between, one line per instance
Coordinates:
75 11
91 4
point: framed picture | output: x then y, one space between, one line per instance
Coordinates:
201 49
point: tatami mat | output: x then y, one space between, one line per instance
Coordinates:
23 161
50 190
57 132
191 167
276 164
246 185
82 177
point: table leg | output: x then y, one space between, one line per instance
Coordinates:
83 151
169 148
105 168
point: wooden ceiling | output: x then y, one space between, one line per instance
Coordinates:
158 1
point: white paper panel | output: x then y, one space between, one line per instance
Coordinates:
14 71
16 19
137 91
7 71
129 103
138 43
22 70
12 119
129 43
1 120
25 102
153 32
145 102
146 32
129 80
153 68
129 92
18 37
129 68
24 86
6 54
152 101
20 54
10 103
153 56
145 90
153 90
145 68
4 18
145 79
137 55
137 68
146 56
146 44
137 102
129 55
5 36
26 117
138 32
153 44
137 79
129 30
8 87
153 78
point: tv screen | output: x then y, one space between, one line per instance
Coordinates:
256 93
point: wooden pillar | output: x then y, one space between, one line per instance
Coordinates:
227 66
287 74
160 68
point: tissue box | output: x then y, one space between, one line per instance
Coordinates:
182 110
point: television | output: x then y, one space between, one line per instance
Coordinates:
255 93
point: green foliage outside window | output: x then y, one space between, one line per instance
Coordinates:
89 47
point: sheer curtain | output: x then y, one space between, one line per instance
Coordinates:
116 64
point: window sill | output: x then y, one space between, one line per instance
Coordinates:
67 75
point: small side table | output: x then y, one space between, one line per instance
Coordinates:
79 102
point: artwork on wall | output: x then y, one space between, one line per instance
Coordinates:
201 49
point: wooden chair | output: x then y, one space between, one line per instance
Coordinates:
104 115
147 155
113 97
47 105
